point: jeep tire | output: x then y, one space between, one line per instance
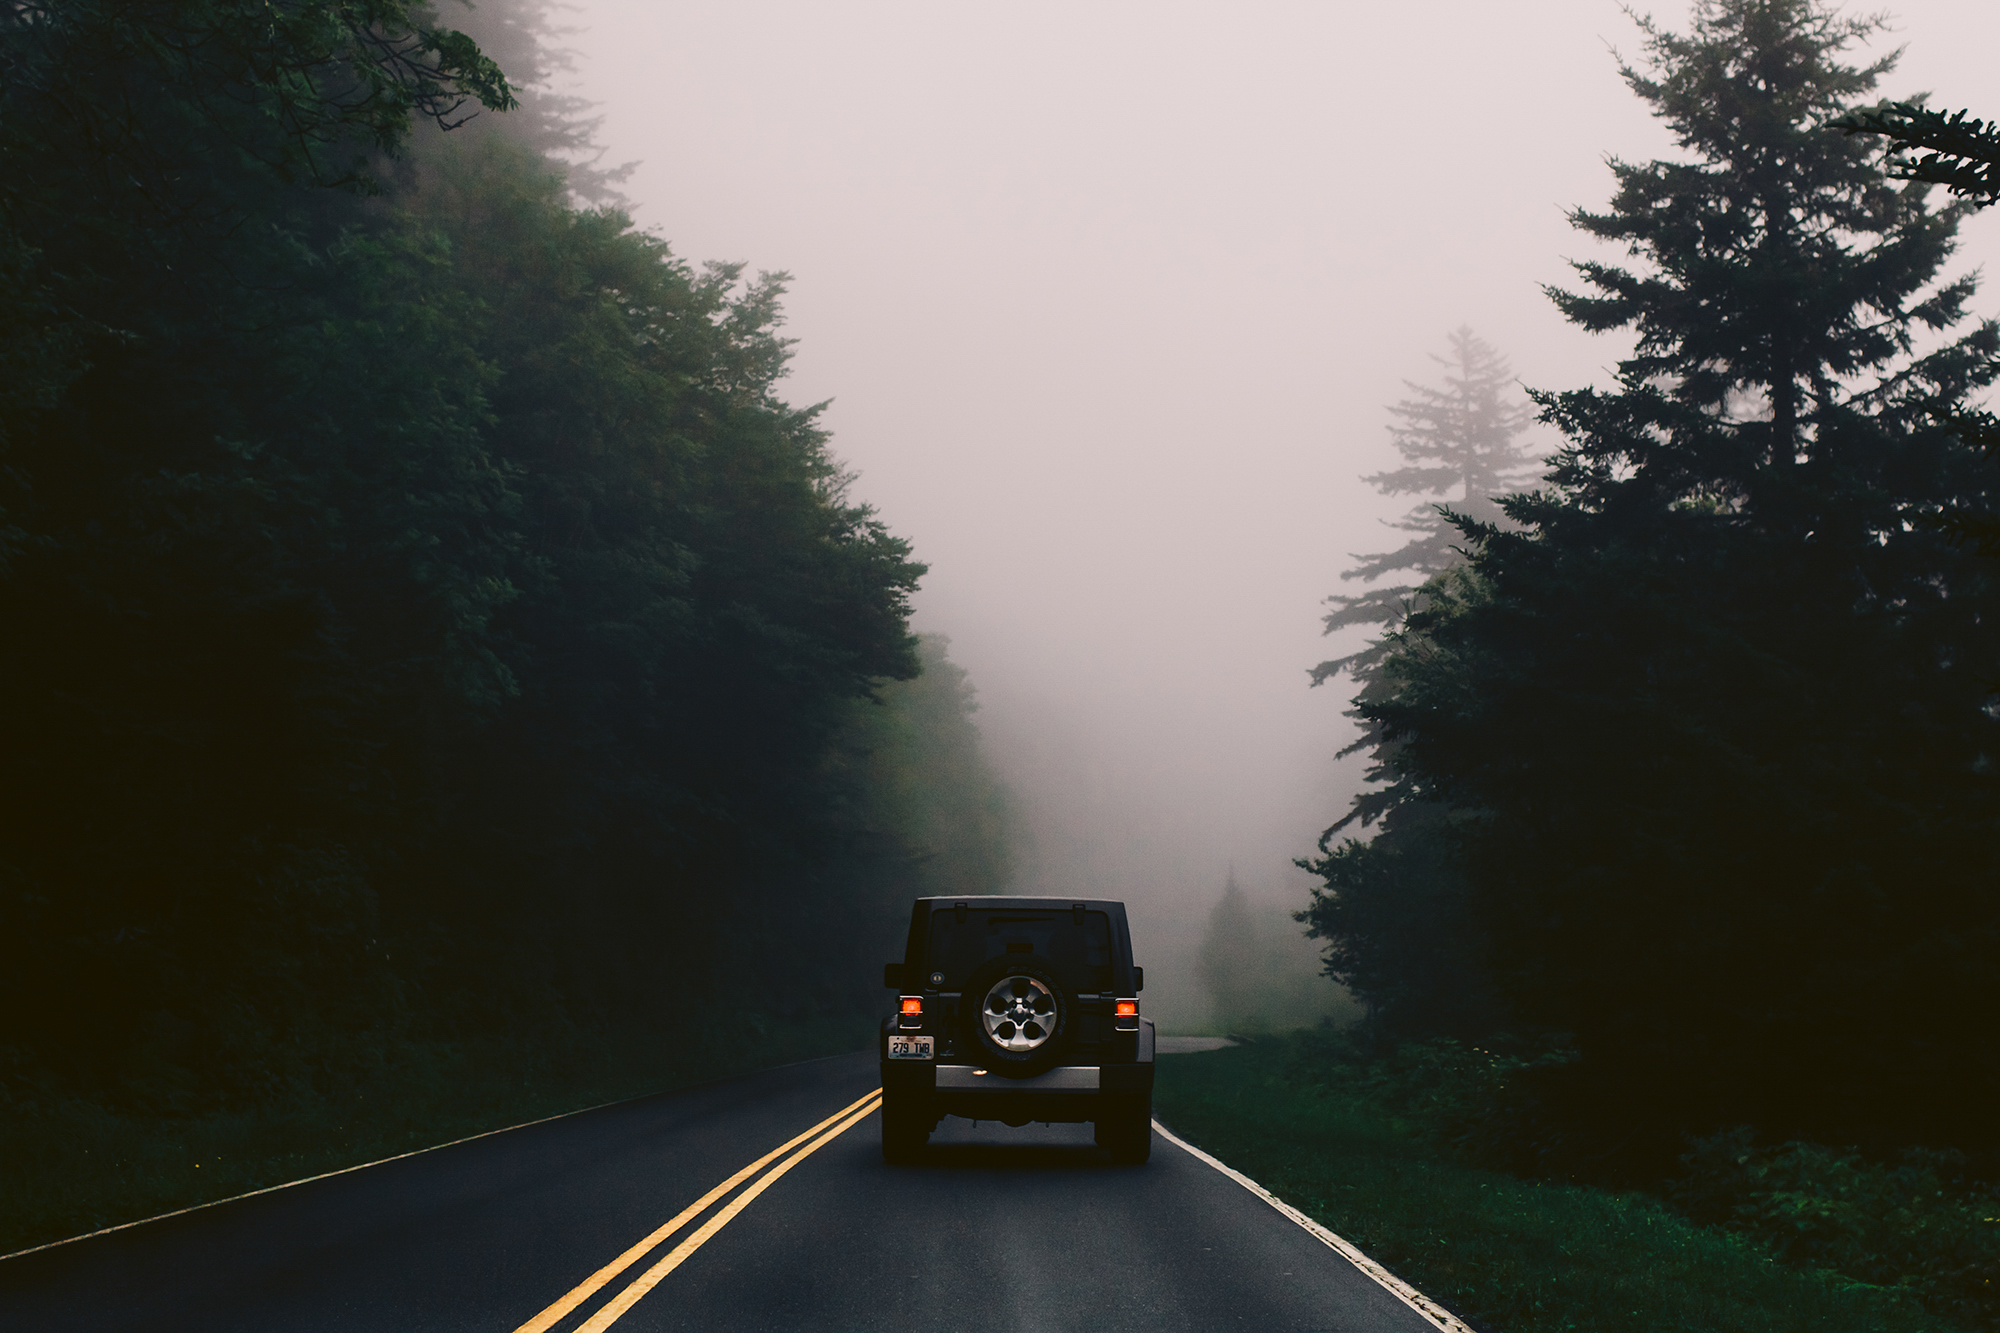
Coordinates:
1125 1128
907 1123
1017 1016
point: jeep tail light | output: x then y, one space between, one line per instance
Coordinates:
1125 1016
912 1013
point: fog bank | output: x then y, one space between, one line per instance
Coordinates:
1109 301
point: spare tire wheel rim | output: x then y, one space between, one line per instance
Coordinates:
1019 1014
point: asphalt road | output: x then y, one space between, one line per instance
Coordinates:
997 1229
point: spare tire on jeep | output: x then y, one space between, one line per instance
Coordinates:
1017 1015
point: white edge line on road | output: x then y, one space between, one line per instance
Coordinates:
414 1152
1398 1288
303 1180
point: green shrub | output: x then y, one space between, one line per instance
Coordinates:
1920 1222
1523 1256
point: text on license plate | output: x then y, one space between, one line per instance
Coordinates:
912 1048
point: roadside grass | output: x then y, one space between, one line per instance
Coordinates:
1505 1254
69 1167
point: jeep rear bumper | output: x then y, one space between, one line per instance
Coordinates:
1066 1093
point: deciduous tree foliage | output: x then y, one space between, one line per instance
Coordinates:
424 610
1715 722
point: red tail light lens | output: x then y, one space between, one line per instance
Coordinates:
914 1004
1128 1009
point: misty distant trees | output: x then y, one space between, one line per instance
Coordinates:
1258 976
1460 449
1706 733
425 614
915 764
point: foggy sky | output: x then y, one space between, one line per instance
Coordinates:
1110 299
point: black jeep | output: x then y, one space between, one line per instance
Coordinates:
1016 1010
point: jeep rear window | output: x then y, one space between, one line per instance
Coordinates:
1080 954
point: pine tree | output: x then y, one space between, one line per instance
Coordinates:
1711 719
1392 911
1962 154
525 39
1459 437
1395 910
1228 963
1957 151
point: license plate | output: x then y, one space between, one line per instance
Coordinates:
912 1048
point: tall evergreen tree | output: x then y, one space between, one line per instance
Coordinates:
1459 438
1393 910
1712 718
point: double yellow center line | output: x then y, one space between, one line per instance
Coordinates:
814 1139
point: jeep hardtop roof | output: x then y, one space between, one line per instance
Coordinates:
1088 936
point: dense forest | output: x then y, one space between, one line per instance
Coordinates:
428 622
1687 756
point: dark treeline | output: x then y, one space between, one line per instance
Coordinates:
1687 767
424 615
